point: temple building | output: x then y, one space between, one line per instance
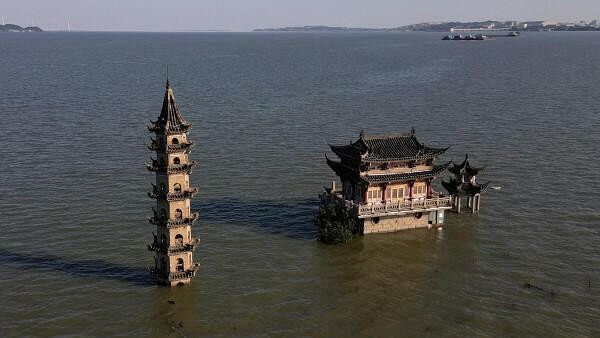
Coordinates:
387 182
464 184
173 242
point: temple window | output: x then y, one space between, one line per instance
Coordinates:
178 214
179 264
374 195
177 187
164 240
175 140
176 160
397 193
163 213
179 239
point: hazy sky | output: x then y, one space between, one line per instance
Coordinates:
243 15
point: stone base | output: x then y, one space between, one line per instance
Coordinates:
403 222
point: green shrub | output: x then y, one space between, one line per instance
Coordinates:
336 224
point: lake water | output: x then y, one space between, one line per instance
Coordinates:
264 107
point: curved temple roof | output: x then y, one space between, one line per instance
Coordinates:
455 187
387 148
403 177
170 119
465 169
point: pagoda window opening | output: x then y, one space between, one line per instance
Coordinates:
179 239
179 264
176 160
178 214
164 240
177 187
162 187
163 213
175 140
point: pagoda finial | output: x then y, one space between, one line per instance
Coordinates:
412 131
362 133
168 84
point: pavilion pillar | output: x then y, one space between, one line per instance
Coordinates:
458 204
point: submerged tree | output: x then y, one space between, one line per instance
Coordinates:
336 223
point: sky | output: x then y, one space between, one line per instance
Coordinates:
245 15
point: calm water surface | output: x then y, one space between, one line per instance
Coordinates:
264 107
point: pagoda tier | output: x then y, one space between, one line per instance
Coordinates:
185 168
175 276
173 223
171 148
172 196
387 148
174 249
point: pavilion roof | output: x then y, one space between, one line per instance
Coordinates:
456 187
465 169
387 148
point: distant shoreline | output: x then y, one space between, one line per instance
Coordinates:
449 26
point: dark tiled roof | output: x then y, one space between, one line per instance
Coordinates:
170 119
455 187
406 176
465 169
340 169
387 148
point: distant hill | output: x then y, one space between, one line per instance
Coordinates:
16 28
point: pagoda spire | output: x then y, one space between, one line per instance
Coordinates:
170 119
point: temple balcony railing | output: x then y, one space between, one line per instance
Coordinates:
171 148
171 169
404 207
174 222
436 201
172 196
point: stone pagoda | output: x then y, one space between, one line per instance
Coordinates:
464 184
173 242
387 183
